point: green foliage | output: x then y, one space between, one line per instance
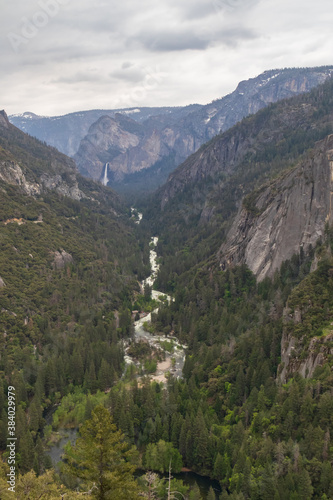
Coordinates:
145 302
70 270
45 486
72 411
229 417
313 297
159 456
101 457
192 226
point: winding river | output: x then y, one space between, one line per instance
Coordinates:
173 364
174 360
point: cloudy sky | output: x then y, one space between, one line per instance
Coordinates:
59 56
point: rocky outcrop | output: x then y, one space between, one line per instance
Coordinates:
69 188
122 143
11 173
284 216
61 259
36 168
4 122
2 283
292 358
66 132
227 152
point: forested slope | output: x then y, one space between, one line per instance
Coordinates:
255 409
69 262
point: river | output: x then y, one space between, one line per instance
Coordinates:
174 361
164 368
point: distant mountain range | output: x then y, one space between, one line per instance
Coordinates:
141 146
264 186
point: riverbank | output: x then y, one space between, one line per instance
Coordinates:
173 351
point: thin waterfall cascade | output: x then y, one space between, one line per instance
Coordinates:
105 178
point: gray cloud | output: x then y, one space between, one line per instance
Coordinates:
234 36
53 63
170 41
130 73
77 77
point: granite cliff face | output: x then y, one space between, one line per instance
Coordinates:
249 97
66 132
122 143
95 138
36 169
292 361
161 137
20 153
11 173
284 216
257 139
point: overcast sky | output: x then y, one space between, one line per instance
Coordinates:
60 56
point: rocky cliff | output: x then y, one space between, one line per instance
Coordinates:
122 143
66 132
288 214
162 137
282 130
37 169
295 360
165 132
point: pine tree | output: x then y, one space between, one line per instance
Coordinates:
304 486
90 383
2 396
200 440
33 418
195 493
218 467
101 457
3 429
211 494
26 449
104 376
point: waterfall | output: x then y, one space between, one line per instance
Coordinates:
105 179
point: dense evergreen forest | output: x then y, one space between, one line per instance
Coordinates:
69 282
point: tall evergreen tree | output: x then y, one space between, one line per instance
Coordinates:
101 457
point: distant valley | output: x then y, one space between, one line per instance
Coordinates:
140 147
200 317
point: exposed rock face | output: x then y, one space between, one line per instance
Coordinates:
12 173
61 259
2 283
4 122
318 352
115 141
56 183
161 132
225 152
66 132
158 139
33 167
288 214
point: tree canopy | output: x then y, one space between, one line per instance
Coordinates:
103 460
